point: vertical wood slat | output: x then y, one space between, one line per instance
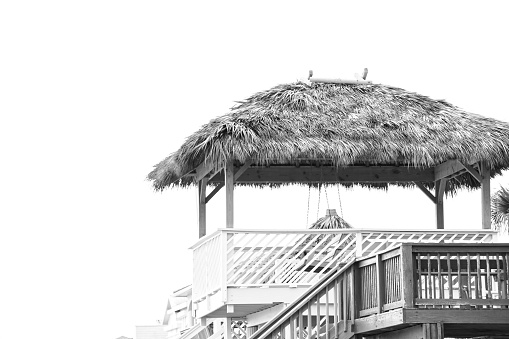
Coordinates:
505 264
336 310
433 285
310 323
419 280
460 289
469 277
440 283
429 276
345 302
449 276
226 255
327 312
318 315
301 325
478 281
354 293
498 276
380 283
488 277
292 327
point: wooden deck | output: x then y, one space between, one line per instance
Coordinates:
414 290
239 272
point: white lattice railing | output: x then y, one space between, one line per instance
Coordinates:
292 258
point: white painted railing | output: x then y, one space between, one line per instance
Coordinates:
207 266
239 258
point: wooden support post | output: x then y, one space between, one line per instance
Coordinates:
228 178
202 207
486 198
433 331
439 196
227 328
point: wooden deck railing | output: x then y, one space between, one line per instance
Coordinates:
461 277
410 276
232 258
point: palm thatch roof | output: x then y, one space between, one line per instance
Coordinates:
340 125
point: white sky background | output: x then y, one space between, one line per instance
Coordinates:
94 93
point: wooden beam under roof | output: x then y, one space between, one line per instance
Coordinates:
447 169
311 174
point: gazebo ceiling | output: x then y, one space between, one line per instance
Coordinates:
351 133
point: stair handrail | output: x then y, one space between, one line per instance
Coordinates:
282 316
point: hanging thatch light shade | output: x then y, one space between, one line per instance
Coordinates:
340 125
331 220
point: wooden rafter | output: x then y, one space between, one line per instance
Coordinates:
238 173
203 170
473 172
453 168
426 191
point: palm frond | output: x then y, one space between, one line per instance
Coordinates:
500 209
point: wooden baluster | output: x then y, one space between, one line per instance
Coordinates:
434 288
310 322
318 315
292 327
429 277
336 311
460 280
505 273
301 325
488 278
440 282
345 302
326 312
469 277
499 283
478 281
419 276
354 294
449 276
384 276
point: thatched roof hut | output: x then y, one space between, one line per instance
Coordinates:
309 133
340 125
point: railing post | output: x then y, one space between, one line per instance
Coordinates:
358 244
407 275
224 263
